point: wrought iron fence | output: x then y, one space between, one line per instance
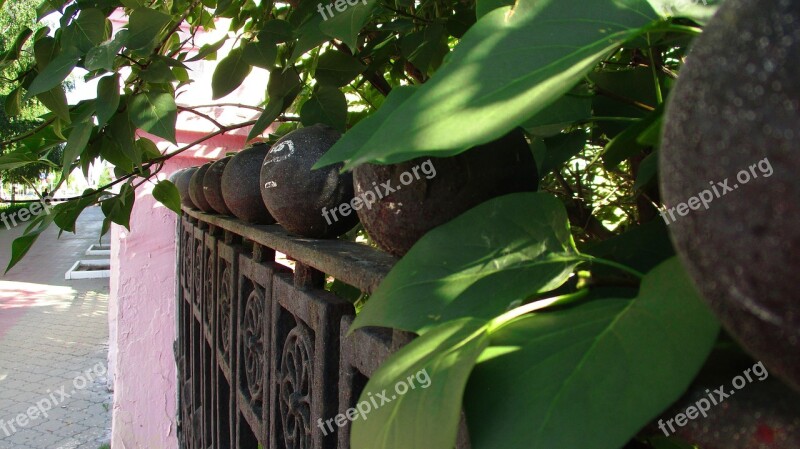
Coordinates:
261 350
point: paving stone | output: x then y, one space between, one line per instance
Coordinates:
51 332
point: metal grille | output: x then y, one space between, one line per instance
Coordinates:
260 351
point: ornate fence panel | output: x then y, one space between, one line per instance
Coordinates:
261 351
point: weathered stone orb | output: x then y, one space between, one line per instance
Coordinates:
732 137
182 181
296 195
212 186
240 187
196 188
404 201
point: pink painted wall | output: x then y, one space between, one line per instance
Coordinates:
142 311
143 274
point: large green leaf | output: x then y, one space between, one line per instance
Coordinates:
156 113
510 65
55 99
108 96
118 208
477 265
426 416
90 29
606 367
21 245
144 27
345 25
328 105
54 73
335 68
230 73
103 56
261 54
76 143
167 194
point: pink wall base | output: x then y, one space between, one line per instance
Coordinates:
142 314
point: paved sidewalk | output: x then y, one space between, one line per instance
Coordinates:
53 345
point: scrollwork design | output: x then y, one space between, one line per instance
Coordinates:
253 334
225 295
295 388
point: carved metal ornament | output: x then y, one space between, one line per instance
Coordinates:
253 334
225 294
209 283
295 388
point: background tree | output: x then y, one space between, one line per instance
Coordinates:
18 117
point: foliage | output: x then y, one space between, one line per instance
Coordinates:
553 319
18 117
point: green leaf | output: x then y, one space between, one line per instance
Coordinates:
156 113
55 100
76 143
501 251
509 66
21 245
608 366
17 159
561 149
167 194
157 72
121 131
91 28
426 48
13 102
648 169
698 10
104 55
108 96
144 28
336 69
16 49
271 112
229 74
118 208
44 50
426 416
208 49
328 105
575 106
147 148
261 54
54 73
65 215
308 36
276 31
483 7
345 25
284 84
626 144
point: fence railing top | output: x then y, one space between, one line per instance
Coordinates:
352 263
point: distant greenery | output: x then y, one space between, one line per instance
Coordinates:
18 117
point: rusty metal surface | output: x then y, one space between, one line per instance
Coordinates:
260 353
352 263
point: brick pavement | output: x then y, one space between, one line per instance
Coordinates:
53 345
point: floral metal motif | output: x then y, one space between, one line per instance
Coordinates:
198 273
253 335
225 295
209 283
295 388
